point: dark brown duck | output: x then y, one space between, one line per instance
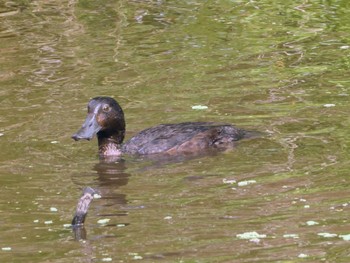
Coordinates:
105 118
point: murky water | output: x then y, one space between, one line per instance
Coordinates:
281 69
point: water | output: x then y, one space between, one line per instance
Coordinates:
281 69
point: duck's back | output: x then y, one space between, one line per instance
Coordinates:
186 137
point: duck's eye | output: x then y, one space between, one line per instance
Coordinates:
106 108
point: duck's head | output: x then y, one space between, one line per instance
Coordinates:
105 118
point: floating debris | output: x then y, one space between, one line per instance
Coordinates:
67 225
107 259
136 256
103 221
1 134
327 235
36 221
48 222
228 181
199 107
345 237
6 248
302 255
54 142
53 209
306 206
312 223
121 225
97 196
168 217
344 47
250 235
245 183
329 105
83 206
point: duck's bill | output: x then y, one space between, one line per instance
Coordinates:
88 130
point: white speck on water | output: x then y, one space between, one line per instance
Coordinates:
54 142
36 221
121 225
301 255
199 107
306 206
245 183
103 221
67 225
97 196
48 222
311 223
329 105
6 248
344 47
228 181
136 256
1 134
107 259
53 209
250 235
327 235
345 237
168 217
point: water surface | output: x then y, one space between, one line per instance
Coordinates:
278 68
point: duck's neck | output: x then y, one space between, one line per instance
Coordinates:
110 144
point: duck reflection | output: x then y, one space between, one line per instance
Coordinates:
111 176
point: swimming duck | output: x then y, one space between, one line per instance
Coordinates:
105 118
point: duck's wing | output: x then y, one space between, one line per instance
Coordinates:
182 137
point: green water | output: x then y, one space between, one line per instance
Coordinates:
278 67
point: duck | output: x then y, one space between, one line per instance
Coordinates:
105 119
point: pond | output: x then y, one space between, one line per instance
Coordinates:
278 68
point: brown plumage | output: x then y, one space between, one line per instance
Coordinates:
106 119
